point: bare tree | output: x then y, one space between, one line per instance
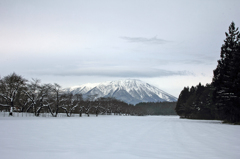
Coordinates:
33 93
71 102
23 102
37 95
88 104
99 106
43 95
10 88
54 99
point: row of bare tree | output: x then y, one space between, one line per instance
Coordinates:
20 95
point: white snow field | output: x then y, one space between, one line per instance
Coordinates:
117 137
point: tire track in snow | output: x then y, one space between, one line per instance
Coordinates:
205 139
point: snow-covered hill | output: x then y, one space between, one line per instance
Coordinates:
131 91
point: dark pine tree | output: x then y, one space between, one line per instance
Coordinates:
226 78
181 103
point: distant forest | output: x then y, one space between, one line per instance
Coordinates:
17 94
221 98
158 108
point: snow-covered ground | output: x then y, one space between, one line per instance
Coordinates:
123 137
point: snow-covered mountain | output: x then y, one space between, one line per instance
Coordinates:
131 91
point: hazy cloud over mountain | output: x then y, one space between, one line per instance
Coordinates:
153 40
114 72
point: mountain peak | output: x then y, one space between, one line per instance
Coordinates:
131 91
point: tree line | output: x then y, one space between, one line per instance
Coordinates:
20 95
221 98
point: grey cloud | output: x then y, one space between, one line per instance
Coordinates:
114 72
195 62
153 40
200 59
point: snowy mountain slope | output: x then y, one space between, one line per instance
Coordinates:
131 91
83 89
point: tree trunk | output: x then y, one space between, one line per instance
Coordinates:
11 111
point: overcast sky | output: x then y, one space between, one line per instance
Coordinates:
169 44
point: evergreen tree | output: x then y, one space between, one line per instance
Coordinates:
226 78
205 106
181 103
